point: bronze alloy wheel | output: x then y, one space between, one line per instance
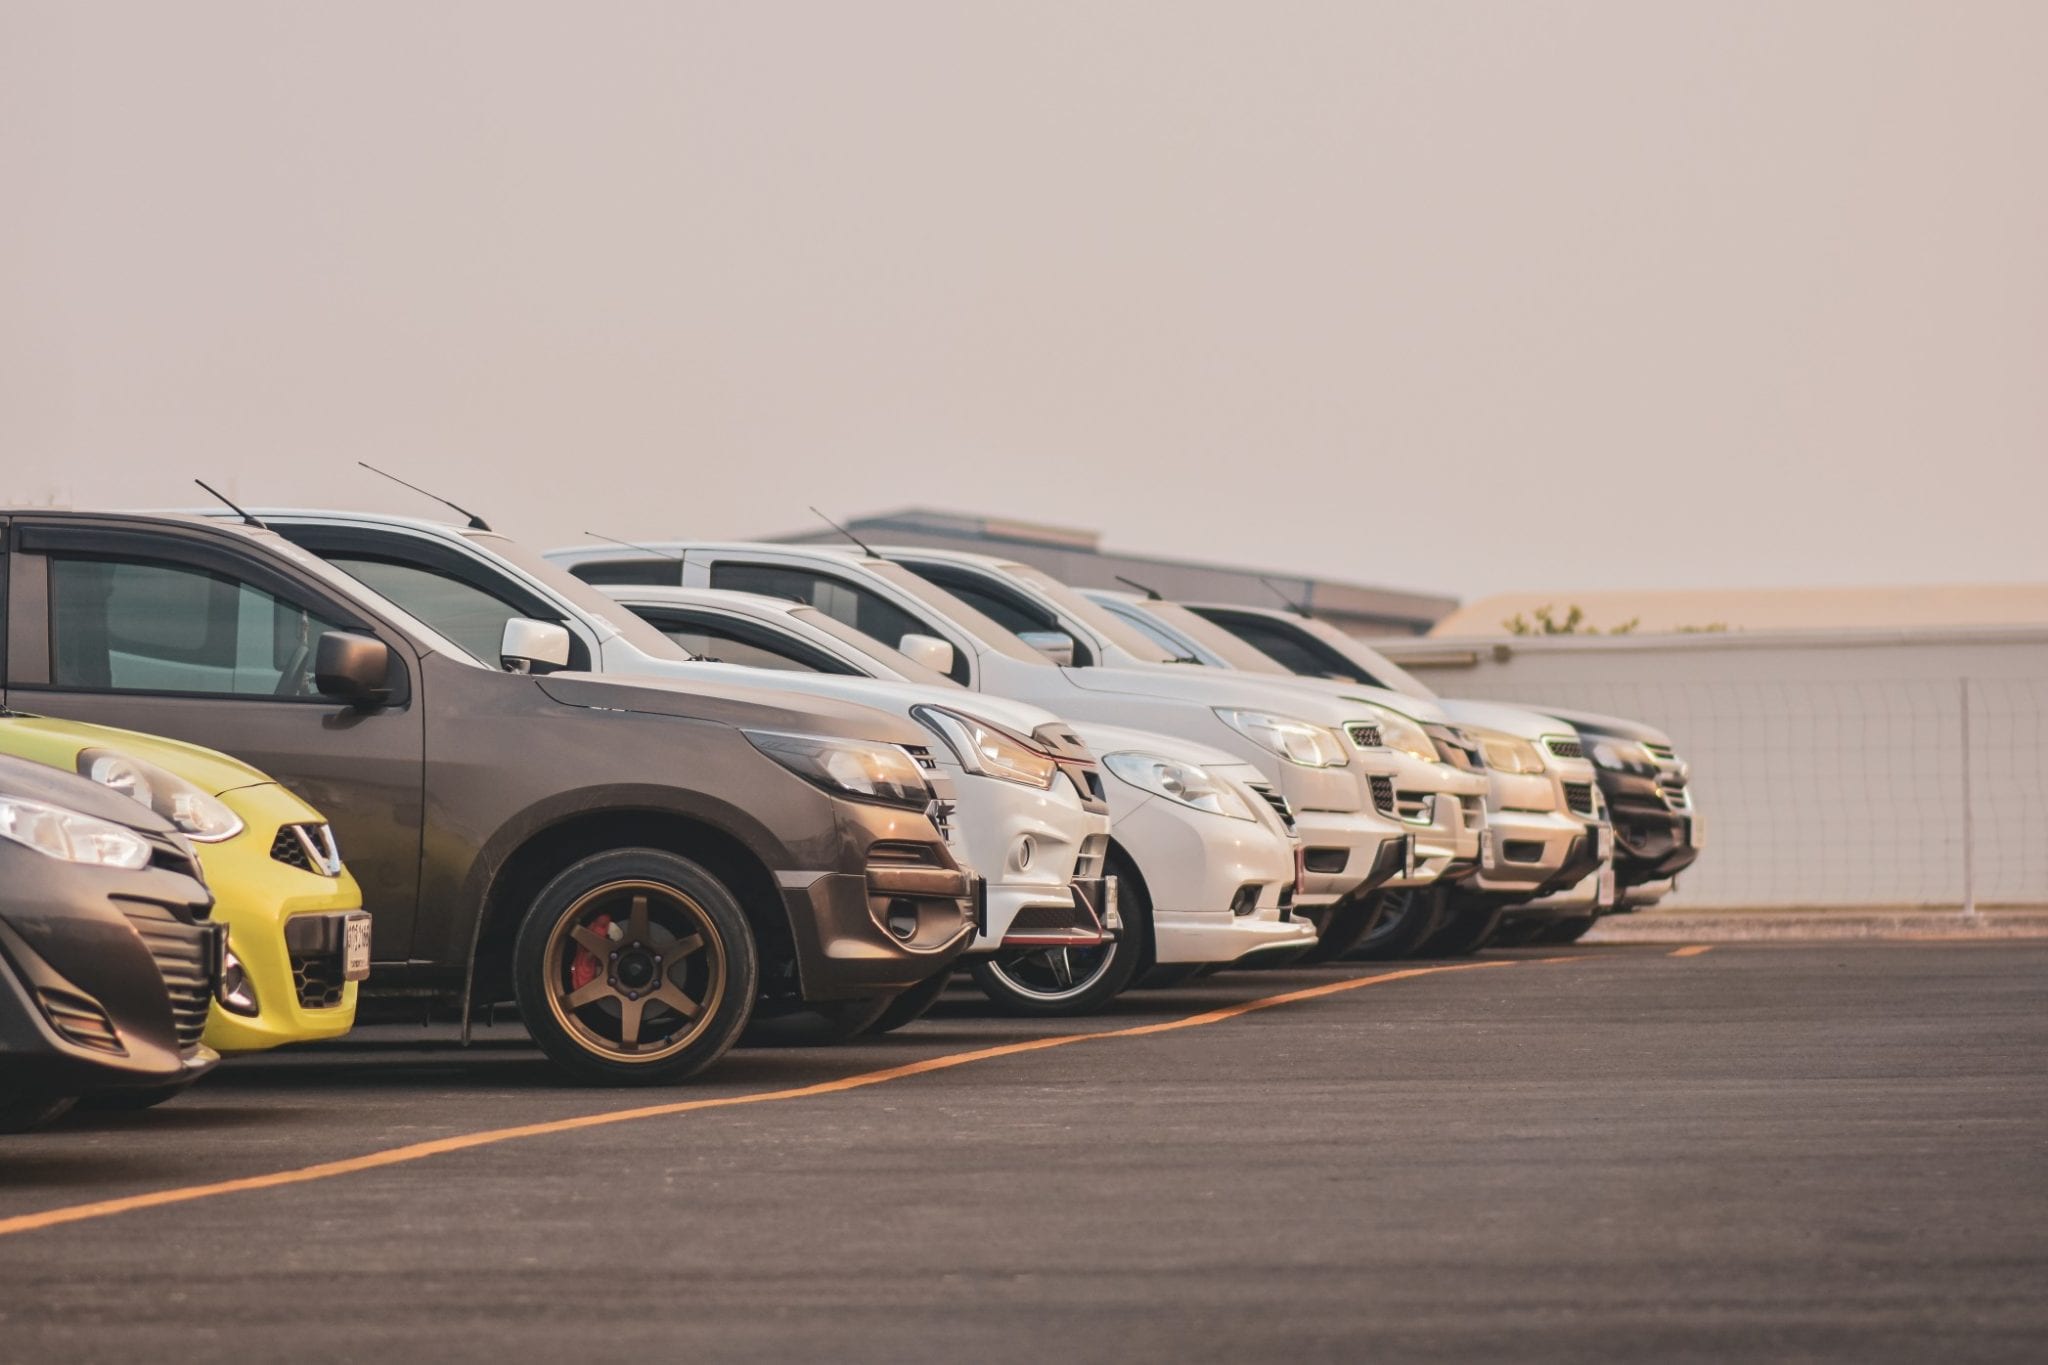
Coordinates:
635 971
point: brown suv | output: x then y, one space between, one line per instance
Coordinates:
639 865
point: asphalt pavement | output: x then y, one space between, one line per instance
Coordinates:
1830 1151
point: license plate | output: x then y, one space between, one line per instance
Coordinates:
1486 848
355 946
1407 855
1605 841
1112 920
1606 884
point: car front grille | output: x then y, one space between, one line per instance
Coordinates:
318 981
1414 807
1578 798
1383 795
1663 753
1043 919
1365 734
1565 748
922 755
1277 802
941 815
1678 798
309 848
184 955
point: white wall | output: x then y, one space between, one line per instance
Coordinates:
1830 766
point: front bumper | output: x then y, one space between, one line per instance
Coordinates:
1448 840
908 914
1529 851
105 975
1346 853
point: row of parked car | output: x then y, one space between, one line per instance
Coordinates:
663 797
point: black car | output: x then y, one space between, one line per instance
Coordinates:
1647 788
108 960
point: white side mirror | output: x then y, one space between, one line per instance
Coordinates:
929 650
1056 645
530 646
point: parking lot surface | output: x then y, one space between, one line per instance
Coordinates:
1834 1150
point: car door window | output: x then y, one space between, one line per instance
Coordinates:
850 604
1013 611
463 612
738 642
136 625
1300 654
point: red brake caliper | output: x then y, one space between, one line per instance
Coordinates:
584 968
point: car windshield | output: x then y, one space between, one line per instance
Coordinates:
591 604
1127 638
985 631
895 661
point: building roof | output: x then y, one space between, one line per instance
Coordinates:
1076 556
1738 609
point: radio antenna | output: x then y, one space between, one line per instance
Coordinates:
476 523
634 545
247 520
848 534
1151 594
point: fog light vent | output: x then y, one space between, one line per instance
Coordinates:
902 919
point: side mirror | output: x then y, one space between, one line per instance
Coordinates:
929 650
530 646
1056 645
352 668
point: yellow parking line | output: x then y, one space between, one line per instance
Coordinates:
1692 950
419 1151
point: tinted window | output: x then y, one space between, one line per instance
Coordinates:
1014 611
735 642
669 571
145 626
1298 653
847 603
461 611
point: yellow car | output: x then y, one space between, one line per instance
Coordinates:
298 939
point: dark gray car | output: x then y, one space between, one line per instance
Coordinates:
637 865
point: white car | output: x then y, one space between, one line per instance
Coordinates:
1203 846
1563 909
1323 754
1546 834
1030 815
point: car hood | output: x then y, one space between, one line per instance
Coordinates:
1512 720
57 743
1310 699
743 706
889 694
1595 723
33 781
1111 739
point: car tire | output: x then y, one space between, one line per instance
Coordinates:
1560 932
627 940
1464 931
1028 982
1342 928
25 1110
1408 917
913 1004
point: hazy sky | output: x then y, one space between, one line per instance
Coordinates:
1461 297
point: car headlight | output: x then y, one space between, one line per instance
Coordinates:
1619 755
1183 782
198 816
1297 741
986 749
70 837
1403 733
1508 753
237 993
845 767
